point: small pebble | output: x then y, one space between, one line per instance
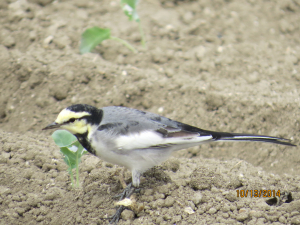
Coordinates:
282 219
225 215
242 217
127 215
197 198
169 201
189 210
212 211
47 41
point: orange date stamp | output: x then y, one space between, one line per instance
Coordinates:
257 193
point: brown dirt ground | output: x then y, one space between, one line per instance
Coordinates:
227 65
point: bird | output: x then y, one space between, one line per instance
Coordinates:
138 140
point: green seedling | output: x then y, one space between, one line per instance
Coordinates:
92 37
72 151
129 8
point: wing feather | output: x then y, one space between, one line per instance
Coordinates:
132 129
135 129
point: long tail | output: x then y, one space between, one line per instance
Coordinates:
223 136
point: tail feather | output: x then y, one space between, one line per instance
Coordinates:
223 136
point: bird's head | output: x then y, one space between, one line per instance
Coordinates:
77 119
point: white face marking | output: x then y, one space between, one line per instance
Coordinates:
67 114
147 139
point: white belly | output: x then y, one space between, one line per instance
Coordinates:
139 160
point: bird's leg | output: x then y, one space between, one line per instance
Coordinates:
128 191
116 217
124 193
135 182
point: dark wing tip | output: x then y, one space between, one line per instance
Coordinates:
171 132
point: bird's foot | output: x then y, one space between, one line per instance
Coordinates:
128 191
116 217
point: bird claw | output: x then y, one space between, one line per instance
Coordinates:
116 217
127 192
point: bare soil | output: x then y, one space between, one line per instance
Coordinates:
225 65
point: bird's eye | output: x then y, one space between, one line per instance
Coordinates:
72 120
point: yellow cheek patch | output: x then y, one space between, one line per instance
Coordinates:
78 127
67 114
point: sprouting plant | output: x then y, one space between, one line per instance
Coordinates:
92 37
129 8
72 151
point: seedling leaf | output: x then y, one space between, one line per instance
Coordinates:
63 138
69 158
80 150
91 37
129 8
72 158
72 151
